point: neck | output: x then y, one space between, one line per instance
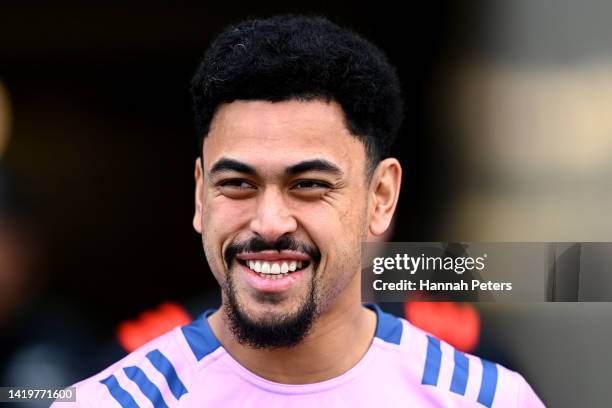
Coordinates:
339 338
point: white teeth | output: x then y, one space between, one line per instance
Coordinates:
274 269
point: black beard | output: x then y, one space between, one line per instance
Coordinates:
284 331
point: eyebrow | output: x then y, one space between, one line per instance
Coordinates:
313 165
321 165
225 164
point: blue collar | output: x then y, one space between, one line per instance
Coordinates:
202 341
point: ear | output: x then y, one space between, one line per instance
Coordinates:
197 217
384 193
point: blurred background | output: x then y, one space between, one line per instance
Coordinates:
507 137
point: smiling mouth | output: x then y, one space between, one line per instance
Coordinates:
274 269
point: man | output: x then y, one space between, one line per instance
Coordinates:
296 117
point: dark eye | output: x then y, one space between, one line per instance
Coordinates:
236 188
237 183
310 184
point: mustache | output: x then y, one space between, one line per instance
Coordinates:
258 244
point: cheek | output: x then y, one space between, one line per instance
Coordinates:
221 215
222 220
337 227
338 235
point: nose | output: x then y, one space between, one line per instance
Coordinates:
273 218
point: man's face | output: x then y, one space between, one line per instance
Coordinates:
282 208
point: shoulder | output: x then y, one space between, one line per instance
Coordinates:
442 370
159 372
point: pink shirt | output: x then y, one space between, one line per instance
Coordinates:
404 367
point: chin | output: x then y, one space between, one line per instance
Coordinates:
268 312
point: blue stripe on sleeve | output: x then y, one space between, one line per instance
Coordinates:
432 362
488 384
388 327
165 367
200 338
460 373
146 386
122 396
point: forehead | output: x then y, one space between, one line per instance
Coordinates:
269 134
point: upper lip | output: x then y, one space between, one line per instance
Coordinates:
273 256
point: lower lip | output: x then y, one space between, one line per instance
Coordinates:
272 285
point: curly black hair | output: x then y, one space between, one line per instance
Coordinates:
302 58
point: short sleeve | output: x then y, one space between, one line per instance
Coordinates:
527 396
